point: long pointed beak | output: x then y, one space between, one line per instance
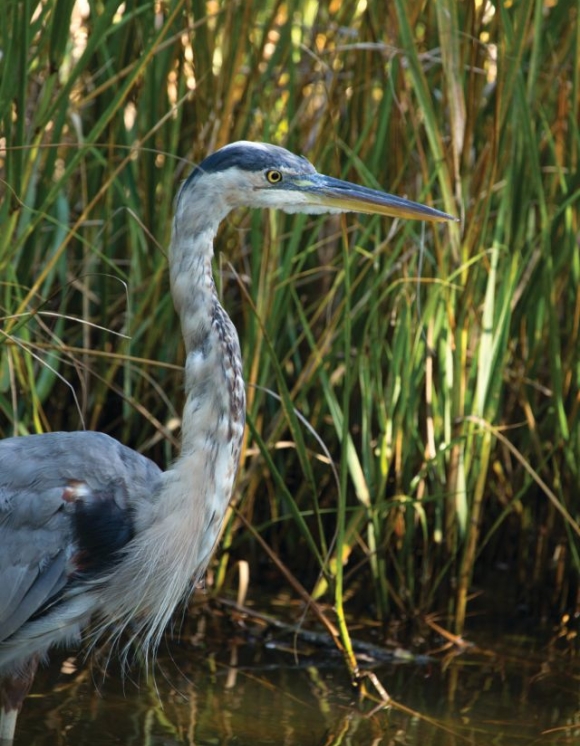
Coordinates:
335 194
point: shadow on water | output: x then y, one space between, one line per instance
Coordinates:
221 690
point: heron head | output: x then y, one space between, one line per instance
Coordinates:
248 174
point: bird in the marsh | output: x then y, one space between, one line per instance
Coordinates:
92 530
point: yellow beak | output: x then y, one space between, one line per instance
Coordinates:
335 194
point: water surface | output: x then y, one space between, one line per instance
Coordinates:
508 691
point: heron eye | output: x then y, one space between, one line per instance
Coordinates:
274 176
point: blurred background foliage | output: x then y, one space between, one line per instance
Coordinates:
438 369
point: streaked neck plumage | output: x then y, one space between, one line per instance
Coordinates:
184 517
213 369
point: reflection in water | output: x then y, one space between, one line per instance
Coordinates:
216 692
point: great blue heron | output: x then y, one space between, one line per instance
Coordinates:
91 529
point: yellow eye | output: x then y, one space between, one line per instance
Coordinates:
273 176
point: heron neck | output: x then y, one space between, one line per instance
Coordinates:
214 385
192 285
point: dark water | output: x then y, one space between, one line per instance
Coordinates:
508 691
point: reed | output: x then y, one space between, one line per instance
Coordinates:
437 369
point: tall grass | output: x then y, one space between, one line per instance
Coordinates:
438 369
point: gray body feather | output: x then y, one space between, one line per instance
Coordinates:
37 541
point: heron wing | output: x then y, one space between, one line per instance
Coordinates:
49 533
